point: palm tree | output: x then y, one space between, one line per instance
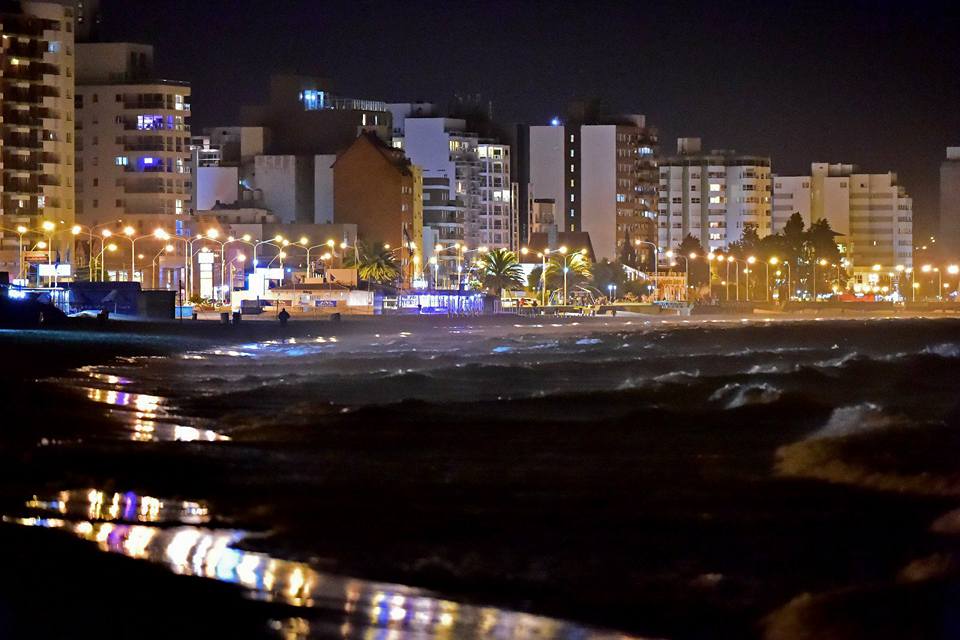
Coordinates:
377 263
499 269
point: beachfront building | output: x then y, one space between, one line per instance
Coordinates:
602 175
133 143
712 196
380 191
468 189
36 131
949 232
871 212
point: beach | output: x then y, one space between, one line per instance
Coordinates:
662 477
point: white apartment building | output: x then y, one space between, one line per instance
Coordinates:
712 196
602 177
467 190
495 225
133 136
872 213
36 128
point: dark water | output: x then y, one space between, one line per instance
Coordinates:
709 479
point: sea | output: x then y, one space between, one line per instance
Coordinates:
460 478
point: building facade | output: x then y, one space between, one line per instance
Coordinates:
870 211
36 131
712 196
376 188
468 191
133 136
603 177
949 232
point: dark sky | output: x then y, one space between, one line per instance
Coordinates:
873 83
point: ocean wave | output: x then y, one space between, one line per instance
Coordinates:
737 395
840 452
944 350
854 419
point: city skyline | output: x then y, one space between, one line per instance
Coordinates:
767 82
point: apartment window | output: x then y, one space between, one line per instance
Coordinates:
714 187
119 203
571 168
571 153
621 197
120 161
96 182
571 182
96 98
119 98
95 140
571 197
715 200
96 203
571 137
695 200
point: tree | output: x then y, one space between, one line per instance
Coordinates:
606 273
499 269
377 263
698 269
628 253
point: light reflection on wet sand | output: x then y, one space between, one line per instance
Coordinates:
335 606
147 417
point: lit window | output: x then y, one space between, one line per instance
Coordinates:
313 100
714 187
121 161
149 123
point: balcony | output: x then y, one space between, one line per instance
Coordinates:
17 163
31 51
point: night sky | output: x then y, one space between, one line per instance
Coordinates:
873 83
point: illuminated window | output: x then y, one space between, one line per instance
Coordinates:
149 123
313 100
714 187
121 161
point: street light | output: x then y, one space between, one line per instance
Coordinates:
111 248
775 261
822 262
656 256
563 252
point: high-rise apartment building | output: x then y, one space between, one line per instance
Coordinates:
713 196
870 211
37 145
603 177
948 238
133 137
468 192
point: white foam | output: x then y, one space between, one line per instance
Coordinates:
854 419
742 395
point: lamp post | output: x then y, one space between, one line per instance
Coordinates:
656 269
153 265
111 247
953 270
822 262
543 276
563 252
436 267
775 261
20 230
686 270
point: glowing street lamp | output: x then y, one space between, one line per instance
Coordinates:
775 261
656 256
